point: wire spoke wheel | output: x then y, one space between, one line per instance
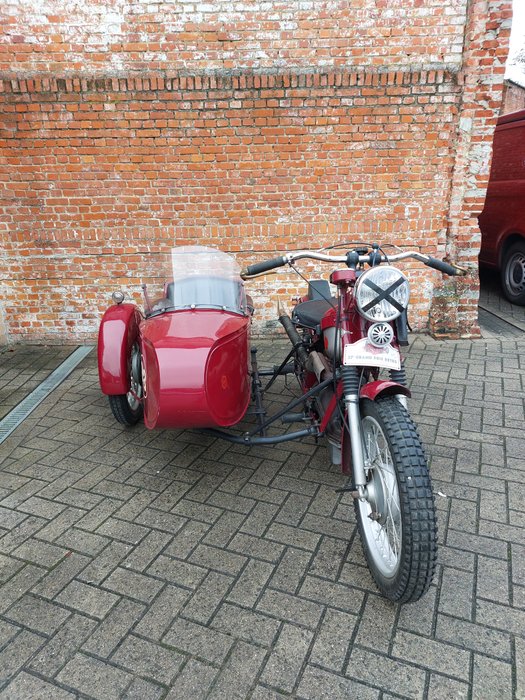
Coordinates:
397 522
127 408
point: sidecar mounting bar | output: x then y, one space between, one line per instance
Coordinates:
314 390
251 440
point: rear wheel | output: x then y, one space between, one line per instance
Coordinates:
127 408
513 273
397 523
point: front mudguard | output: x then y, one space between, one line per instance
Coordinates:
383 387
119 330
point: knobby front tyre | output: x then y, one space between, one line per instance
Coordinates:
397 524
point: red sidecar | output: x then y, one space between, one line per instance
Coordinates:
185 362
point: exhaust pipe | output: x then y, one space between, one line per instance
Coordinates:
291 332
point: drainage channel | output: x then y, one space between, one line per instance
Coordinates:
20 412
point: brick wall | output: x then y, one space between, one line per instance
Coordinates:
513 98
128 127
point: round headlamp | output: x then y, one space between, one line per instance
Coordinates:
382 293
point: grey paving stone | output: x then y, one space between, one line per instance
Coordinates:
262 693
144 553
251 583
317 684
333 640
7 632
37 614
328 558
62 646
457 593
493 579
123 530
386 673
162 611
105 562
259 518
27 686
474 636
492 679
283 666
87 599
60 524
441 657
257 547
520 666
17 652
442 688
82 542
159 520
114 628
141 689
18 584
176 571
290 608
245 624
239 674
9 567
225 562
198 640
500 616
133 584
376 623
20 533
193 682
94 678
291 570
208 597
335 594
148 659
293 536
185 541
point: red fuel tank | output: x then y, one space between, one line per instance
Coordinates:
195 366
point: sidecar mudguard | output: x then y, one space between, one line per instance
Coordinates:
195 369
383 387
119 329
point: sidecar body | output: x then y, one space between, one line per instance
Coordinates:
189 354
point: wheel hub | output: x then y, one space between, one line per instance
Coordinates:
376 497
516 273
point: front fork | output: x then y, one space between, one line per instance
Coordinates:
360 459
350 377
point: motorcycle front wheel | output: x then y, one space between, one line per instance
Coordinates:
397 523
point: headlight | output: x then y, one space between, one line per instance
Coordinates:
382 293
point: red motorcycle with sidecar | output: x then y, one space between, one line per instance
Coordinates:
186 362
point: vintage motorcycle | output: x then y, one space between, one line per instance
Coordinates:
186 362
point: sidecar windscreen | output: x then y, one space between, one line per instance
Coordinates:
205 278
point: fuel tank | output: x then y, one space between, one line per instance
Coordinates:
195 367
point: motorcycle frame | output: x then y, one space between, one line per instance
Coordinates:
350 326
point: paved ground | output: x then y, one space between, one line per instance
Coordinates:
171 565
498 317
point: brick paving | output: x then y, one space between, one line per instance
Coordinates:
172 565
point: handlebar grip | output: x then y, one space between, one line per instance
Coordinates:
442 266
264 266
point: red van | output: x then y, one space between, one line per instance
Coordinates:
502 221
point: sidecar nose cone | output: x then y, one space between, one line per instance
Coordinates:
118 297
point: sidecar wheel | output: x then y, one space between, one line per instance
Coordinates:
397 524
126 408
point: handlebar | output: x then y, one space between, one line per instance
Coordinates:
290 258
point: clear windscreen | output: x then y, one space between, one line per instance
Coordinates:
203 278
